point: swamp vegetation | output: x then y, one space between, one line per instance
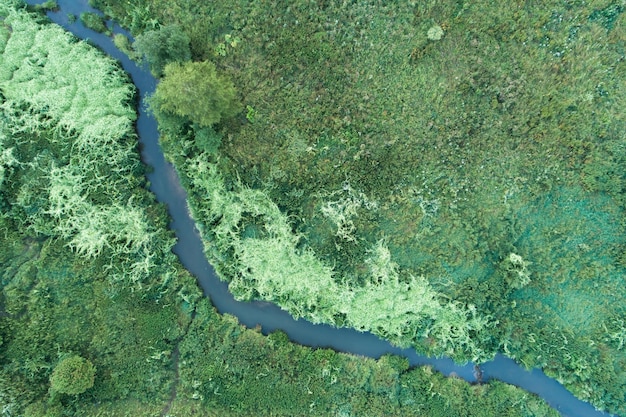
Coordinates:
98 318
463 192
449 175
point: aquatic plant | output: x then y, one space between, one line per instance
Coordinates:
95 22
84 122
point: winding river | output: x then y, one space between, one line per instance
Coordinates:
165 185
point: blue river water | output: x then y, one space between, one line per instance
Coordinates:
165 185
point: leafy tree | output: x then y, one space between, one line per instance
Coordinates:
162 46
195 90
73 375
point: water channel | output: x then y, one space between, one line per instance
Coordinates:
165 185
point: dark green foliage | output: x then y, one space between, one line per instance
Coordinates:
607 16
239 372
207 140
94 21
202 22
196 91
43 409
73 375
58 302
162 46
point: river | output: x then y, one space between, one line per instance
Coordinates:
165 185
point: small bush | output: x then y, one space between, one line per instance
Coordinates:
73 375
122 43
47 5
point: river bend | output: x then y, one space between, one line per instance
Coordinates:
165 185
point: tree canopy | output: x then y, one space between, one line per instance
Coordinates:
161 46
196 91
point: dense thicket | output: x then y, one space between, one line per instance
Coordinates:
68 124
96 316
478 145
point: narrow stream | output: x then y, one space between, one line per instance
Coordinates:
165 185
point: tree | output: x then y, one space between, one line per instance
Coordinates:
162 46
196 91
73 375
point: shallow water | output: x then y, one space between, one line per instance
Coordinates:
166 186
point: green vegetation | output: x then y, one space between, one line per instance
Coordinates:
97 318
163 46
268 254
245 373
196 91
95 22
47 5
459 165
122 43
73 375
85 250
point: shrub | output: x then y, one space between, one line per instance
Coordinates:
73 375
